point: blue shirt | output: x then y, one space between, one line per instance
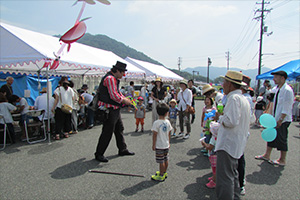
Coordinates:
173 113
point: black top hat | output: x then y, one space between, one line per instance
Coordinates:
120 66
281 73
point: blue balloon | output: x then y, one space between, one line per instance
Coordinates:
269 134
267 121
210 114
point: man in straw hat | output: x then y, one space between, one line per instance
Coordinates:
232 136
112 99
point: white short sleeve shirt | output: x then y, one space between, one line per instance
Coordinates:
163 128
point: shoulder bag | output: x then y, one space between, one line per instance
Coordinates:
65 107
191 109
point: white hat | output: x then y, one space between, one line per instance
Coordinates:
214 127
259 98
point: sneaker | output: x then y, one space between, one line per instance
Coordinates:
158 173
203 151
186 136
142 130
180 135
173 134
136 130
243 191
158 178
211 184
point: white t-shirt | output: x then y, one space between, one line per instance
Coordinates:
5 109
64 96
163 128
218 98
41 104
23 102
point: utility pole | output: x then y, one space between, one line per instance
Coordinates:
208 64
227 53
261 17
179 63
193 74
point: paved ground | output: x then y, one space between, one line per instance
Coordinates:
60 170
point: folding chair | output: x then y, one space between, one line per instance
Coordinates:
28 123
4 129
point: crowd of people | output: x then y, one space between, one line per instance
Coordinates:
226 118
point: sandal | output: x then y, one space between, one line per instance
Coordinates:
57 137
276 162
66 135
261 157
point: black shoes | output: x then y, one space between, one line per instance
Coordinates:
121 153
101 158
126 153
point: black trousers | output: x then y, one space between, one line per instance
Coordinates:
241 170
113 124
281 140
62 122
10 133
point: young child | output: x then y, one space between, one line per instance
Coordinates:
23 108
173 112
5 110
209 106
295 110
161 141
260 106
214 127
139 114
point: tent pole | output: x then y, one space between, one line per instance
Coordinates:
48 113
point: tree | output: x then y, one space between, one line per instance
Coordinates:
219 80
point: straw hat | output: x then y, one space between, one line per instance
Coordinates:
184 82
158 80
173 101
234 77
206 88
44 90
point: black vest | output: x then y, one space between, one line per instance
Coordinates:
103 92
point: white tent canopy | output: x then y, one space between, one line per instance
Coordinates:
153 71
23 51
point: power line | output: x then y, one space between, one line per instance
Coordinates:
248 21
281 4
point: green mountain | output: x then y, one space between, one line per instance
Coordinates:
106 43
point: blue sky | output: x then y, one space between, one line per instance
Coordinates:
165 29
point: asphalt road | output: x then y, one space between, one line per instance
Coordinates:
60 170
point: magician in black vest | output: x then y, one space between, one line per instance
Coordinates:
113 123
